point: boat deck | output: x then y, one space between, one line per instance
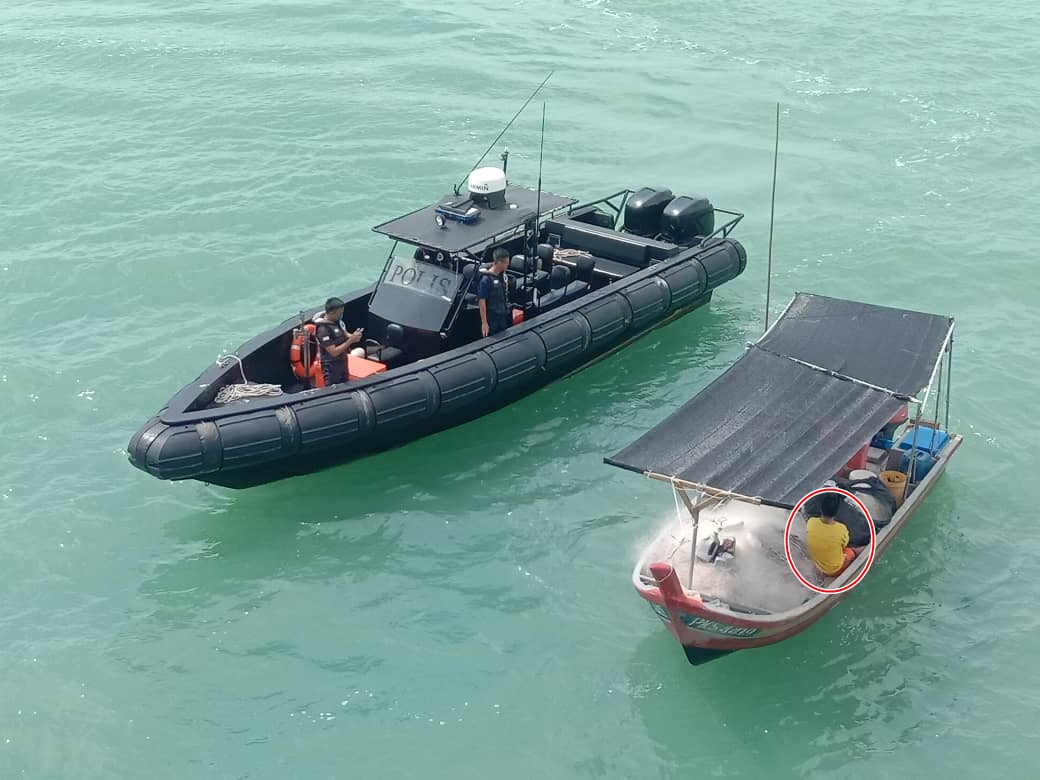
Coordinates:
758 578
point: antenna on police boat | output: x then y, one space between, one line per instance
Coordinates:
541 148
772 208
537 89
532 245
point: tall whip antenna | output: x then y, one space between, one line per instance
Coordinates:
458 186
541 147
772 209
532 244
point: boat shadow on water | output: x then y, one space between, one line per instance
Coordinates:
857 682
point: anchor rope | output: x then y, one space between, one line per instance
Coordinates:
245 390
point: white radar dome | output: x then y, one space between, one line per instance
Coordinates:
487 181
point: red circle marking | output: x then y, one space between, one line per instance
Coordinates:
787 541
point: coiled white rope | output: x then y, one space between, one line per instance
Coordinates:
571 253
247 389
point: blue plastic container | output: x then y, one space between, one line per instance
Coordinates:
882 443
928 440
921 467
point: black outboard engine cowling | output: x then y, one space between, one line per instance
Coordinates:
643 211
686 218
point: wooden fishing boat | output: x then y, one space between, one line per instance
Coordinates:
836 393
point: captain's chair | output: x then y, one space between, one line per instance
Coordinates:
545 254
558 279
527 279
468 272
583 268
391 351
563 289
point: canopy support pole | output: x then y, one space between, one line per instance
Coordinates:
695 513
772 211
705 489
693 543
949 380
912 460
939 390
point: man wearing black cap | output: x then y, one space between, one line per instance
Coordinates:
334 342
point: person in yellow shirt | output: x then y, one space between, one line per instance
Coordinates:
828 540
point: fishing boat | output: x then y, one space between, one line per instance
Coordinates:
584 280
837 394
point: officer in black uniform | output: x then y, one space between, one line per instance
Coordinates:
334 342
492 296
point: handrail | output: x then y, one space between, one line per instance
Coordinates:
727 227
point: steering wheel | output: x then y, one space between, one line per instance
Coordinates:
371 344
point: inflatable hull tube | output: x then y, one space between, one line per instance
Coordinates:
303 433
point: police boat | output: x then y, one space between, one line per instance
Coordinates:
583 280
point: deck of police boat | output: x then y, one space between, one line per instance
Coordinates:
584 280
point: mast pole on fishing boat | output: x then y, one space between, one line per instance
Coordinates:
695 511
949 380
772 210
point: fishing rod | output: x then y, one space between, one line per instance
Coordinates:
504 129
772 208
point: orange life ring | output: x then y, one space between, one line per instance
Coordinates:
312 372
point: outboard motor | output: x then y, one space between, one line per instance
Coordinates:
686 218
643 211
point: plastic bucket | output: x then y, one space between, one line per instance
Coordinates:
895 481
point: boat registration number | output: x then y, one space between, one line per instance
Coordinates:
714 627
703 624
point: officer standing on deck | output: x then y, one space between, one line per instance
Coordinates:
492 295
334 342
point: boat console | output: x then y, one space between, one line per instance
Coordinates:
425 301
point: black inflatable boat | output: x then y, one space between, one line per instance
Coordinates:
584 280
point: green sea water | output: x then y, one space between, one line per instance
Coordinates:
177 176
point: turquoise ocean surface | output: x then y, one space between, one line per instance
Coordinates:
177 176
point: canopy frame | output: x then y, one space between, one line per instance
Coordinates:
735 436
